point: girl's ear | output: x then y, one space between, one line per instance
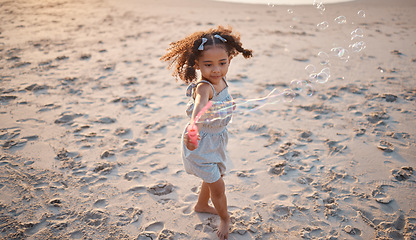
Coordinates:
196 65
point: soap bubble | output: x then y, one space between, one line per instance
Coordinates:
324 58
338 51
361 13
313 77
340 20
301 86
290 11
296 85
310 69
323 25
308 89
322 77
358 46
326 70
357 33
341 53
320 6
288 95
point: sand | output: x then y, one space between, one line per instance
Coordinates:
90 122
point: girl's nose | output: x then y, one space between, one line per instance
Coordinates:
216 69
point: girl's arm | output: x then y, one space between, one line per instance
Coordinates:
203 93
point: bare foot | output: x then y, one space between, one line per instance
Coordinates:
222 232
205 209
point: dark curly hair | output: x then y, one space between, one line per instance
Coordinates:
183 53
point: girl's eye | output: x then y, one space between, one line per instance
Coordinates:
223 63
207 65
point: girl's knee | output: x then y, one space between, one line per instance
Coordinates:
217 188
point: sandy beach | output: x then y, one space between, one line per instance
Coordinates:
91 121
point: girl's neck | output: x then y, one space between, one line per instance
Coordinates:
214 83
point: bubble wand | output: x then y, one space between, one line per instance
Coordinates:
192 128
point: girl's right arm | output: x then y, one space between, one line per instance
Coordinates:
203 93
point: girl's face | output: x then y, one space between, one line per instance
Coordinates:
213 63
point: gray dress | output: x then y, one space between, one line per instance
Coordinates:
210 159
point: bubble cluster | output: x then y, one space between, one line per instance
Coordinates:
218 110
358 46
341 53
323 25
315 74
357 33
302 87
340 20
223 110
361 13
318 77
320 6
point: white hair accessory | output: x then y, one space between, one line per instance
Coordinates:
201 47
220 38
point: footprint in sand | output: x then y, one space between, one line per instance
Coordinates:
104 167
281 211
376 117
134 174
85 56
36 87
100 203
166 234
121 131
154 227
14 143
380 197
386 146
304 180
67 117
187 210
162 188
146 235
105 120
305 136
403 173
255 197
351 230
128 216
56 202
137 189
191 197
280 169
5 99
107 153
95 217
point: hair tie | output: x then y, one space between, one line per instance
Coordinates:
201 47
220 38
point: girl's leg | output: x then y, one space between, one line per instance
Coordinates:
202 205
219 200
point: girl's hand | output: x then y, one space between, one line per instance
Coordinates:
188 143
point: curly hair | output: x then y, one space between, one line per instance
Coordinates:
184 53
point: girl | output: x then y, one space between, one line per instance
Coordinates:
210 52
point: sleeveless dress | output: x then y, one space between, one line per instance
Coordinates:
209 161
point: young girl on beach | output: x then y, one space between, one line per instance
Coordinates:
210 52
